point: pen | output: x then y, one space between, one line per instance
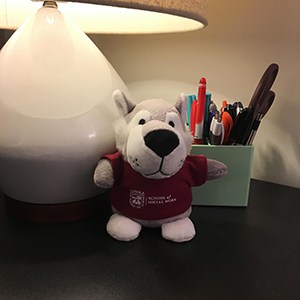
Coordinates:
199 122
207 119
262 110
189 109
240 126
231 109
224 105
212 111
216 132
212 107
193 116
228 124
238 107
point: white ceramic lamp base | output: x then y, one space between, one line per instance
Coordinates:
56 111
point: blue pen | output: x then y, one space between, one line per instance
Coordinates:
189 109
212 107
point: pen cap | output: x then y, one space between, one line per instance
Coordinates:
216 132
216 127
224 104
212 106
202 81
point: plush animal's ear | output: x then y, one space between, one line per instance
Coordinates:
181 106
124 105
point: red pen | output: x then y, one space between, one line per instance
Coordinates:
199 122
193 117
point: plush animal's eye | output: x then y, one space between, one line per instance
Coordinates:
171 123
173 120
142 117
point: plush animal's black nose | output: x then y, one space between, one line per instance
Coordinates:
161 141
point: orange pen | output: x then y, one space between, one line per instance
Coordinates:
227 124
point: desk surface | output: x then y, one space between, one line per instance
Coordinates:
238 253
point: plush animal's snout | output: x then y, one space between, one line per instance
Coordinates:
161 141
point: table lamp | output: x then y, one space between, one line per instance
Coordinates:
56 110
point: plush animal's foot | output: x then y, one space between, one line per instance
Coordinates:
122 228
182 230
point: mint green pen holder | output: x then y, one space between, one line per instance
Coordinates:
232 189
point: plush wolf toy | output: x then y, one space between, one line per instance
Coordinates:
152 174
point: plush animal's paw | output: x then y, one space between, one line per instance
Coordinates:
182 230
215 169
103 175
122 228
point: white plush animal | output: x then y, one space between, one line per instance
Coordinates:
152 174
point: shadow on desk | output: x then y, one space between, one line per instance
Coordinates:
238 253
